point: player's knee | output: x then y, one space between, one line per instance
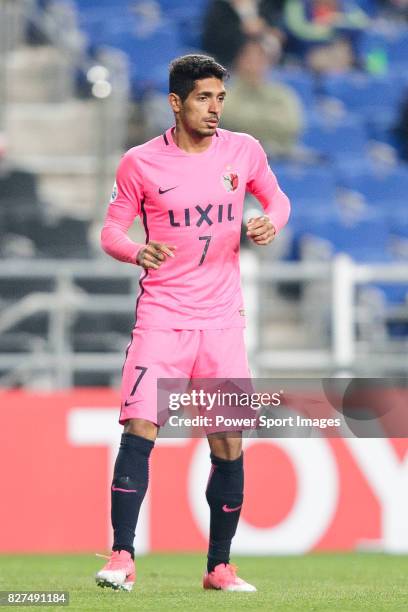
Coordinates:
228 448
226 481
142 428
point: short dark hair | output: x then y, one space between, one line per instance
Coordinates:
187 69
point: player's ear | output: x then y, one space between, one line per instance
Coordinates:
175 102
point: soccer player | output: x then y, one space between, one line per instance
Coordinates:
188 186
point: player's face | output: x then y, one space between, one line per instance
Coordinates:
201 111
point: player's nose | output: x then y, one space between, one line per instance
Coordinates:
214 108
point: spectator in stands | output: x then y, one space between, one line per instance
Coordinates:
228 23
323 32
269 110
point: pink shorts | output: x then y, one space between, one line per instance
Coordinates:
177 353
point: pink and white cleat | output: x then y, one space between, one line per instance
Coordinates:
224 577
118 573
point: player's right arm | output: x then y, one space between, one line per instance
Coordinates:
124 207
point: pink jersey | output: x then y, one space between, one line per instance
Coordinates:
195 203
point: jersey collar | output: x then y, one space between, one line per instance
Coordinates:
168 141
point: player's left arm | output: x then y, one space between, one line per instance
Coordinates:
264 186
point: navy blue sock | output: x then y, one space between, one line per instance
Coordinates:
225 494
129 486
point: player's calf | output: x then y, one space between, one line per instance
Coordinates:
129 486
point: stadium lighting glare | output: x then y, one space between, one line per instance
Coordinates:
101 89
97 73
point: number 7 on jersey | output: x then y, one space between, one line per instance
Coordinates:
207 244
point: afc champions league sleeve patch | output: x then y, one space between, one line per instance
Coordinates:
230 180
114 193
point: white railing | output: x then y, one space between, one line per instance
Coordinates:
56 356
343 355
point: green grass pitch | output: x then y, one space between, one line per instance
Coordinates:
318 582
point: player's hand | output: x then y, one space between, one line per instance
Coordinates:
154 254
261 230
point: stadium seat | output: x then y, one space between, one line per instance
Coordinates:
149 55
398 219
370 7
311 191
190 32
20 216
181 8
66 237
100 323
365 241
392 43
379 184
20 206
84 4
304 217
393 293
99 25
107 342
306 183
15 289
18 184
188 17
302 82
369 234
92 379
380 126
21 342
398 223
150 43
336 138
361 92
98 332
104 286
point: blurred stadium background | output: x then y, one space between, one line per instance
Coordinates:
79 83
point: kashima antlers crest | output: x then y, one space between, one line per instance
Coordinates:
114 193
230 181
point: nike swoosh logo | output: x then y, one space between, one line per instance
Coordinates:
124 490
130 403
161 191
226 509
